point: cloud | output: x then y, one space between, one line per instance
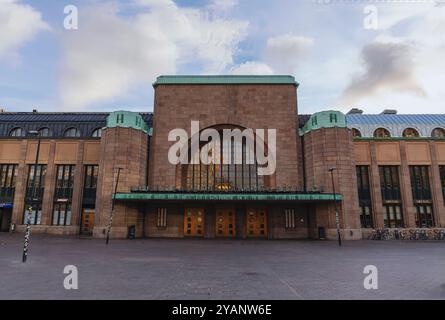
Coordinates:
285 52
402 64
110 53
252 68
389 67
19 23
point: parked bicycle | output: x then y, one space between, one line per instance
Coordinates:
407 234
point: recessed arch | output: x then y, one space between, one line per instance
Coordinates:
97 133
17 132
222 176
44 132
382 133
410 133
438 133
72 133
356 133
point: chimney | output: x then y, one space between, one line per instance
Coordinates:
355 111
389 111
2 110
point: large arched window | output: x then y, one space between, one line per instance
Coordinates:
382 133
438 133
356 133
17 132
97 133
45 132
72 133
226 177
410 133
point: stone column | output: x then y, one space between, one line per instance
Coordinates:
20 187
409 211
436 188
76 203
50 186
376 191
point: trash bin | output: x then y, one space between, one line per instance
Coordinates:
321 233
132 232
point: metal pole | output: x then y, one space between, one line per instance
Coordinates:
112 205
28 218
337 217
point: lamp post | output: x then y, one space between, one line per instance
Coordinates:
337 217
30 198
113 200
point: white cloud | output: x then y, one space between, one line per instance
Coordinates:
285 52
110 53
252 68
19 23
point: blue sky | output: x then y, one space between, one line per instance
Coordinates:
121 46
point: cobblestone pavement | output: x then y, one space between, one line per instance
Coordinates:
220 269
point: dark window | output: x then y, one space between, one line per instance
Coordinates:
390 183
97 133
62 214
90 185
17 132
72 133
356 133
333 118
382 133
410 133
420 183
34 193
290 218
65 182
424 216
366 216
226 177
438 133
8 177
392 216
63 195
364 194
161 221
45 132
33 212
120 118
442 179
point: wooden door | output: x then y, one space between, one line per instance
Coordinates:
194 222
88 216
225 222
256 222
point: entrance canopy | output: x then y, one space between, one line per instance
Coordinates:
227 196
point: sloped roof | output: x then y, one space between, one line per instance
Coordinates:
395 123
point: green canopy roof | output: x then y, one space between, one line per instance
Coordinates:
207 80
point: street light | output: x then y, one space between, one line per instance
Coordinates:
30 198
112 205
337 217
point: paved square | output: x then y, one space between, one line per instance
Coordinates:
201 269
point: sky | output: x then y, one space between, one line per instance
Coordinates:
344 54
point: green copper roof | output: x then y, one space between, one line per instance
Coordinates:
227 197
206 80
127 119
324 119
